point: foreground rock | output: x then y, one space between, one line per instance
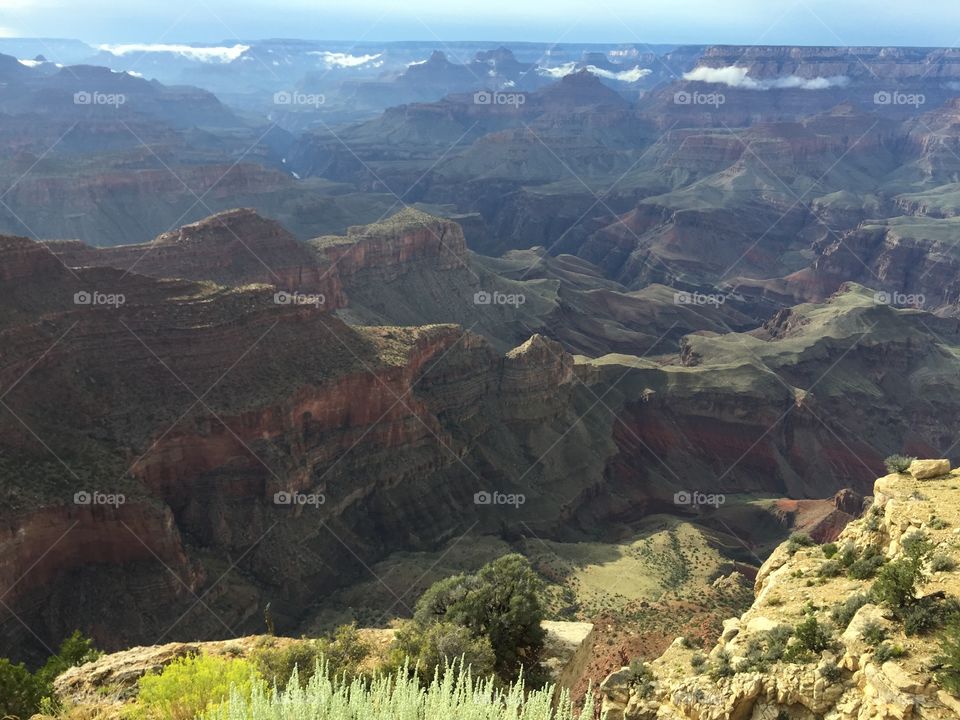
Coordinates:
845 682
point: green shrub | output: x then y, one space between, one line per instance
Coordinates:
721 666
888 651
441 644
502 602
21 691
843 613
866 566
948 658
812 638
830 671
941 562
873 634
896 582
926 615
698 661
898 463
829 550
641 678
776 642
829 569
937 523
192 685
797 541
450 696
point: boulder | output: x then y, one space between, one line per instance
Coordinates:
926 469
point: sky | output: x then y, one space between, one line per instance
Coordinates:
778 22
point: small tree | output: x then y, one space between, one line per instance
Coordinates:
502 602
442 645
896 582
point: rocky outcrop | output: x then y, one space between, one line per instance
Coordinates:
847 681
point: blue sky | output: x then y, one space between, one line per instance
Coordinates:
794 22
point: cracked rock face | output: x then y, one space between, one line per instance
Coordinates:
847 681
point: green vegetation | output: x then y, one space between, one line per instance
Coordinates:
843 613
441 644
192 685
949 658
888 651
829 550
455 694
873 634
343 653
797 541
22 692
898 463
811 638
501 603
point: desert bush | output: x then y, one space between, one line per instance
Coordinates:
343 652
898 463
797 541
812 638
641 678
896 582
927 614
866 565
698 661
450 695
829 550
888 651
843 613
830 671
941 562
937 523
441 644
873 634
721 666
192 685
948 658
829 569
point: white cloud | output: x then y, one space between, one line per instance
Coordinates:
735 76
628 76
6 32
202 54
344 60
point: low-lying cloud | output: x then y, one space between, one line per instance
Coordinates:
627 76
736 77
218 54
344 60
